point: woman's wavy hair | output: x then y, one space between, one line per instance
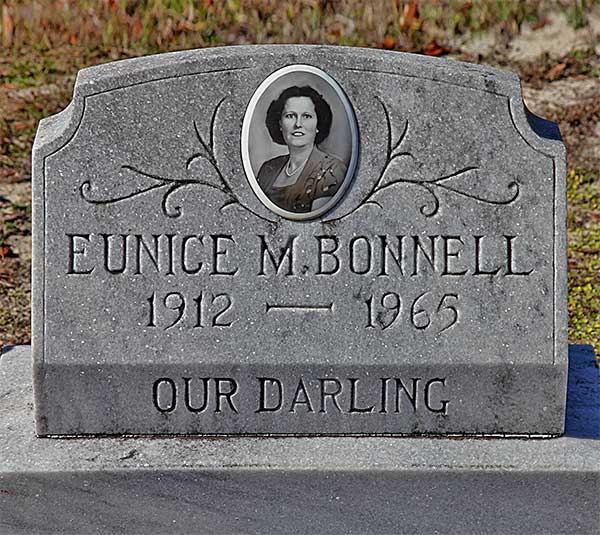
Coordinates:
322 109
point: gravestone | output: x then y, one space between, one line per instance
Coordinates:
298 240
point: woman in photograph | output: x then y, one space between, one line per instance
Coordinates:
306 178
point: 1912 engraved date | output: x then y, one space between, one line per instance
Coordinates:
204 310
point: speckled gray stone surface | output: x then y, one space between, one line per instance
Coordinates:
305 486
430 299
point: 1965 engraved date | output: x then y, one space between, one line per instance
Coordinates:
426 312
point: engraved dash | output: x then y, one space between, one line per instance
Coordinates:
302 308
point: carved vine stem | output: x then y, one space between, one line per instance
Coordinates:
170 185
431 186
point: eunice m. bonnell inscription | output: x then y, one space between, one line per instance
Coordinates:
298 240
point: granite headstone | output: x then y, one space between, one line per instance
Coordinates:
298 240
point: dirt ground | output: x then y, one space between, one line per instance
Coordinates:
559 64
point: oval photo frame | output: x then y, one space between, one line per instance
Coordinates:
299 113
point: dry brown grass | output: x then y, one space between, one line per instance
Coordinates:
152 25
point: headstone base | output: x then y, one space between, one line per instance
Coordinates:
299 485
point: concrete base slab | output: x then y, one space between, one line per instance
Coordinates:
305 486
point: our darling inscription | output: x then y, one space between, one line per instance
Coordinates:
303 395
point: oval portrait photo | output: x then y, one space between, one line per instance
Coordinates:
299 142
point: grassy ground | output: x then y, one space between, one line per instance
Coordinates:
554 46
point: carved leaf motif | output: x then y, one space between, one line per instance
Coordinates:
201 168
462 181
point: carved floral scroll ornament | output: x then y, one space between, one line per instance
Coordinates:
170 185
432 185
206 152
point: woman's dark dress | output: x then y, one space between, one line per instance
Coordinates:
322 176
